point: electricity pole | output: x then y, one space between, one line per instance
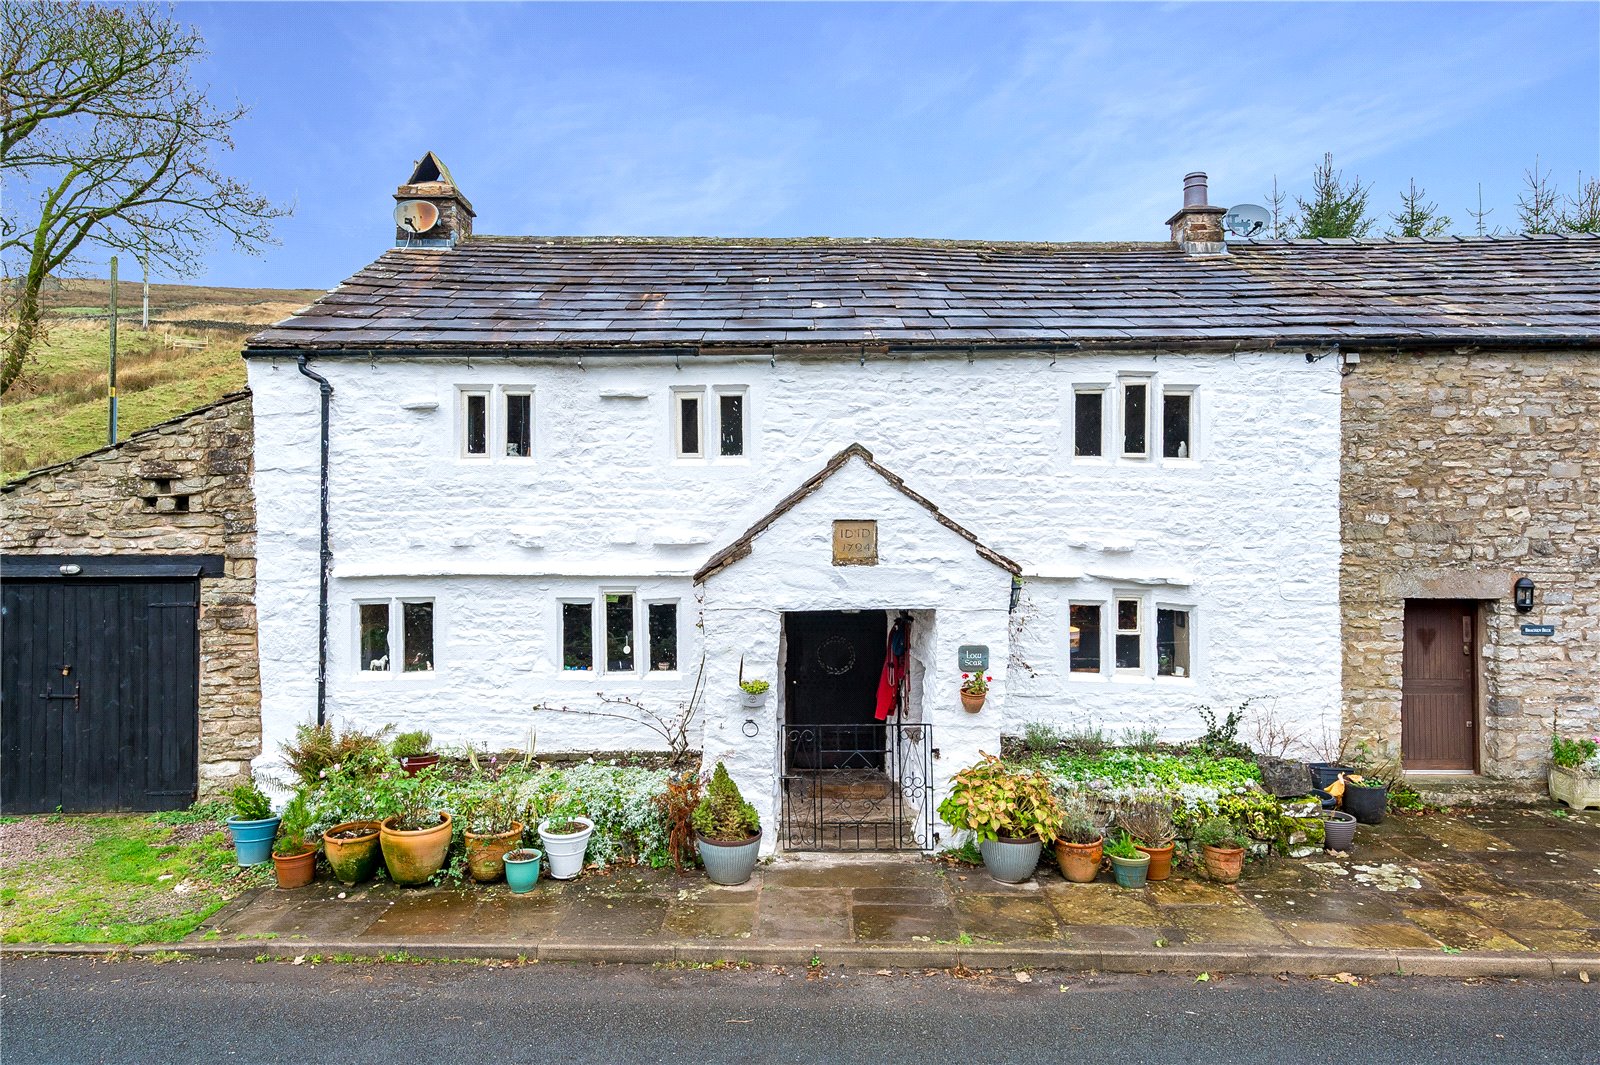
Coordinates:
111 431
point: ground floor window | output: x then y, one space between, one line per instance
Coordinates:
391 631
1115 638
606 629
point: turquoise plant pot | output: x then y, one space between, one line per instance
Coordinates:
1130 872
252 840
522 873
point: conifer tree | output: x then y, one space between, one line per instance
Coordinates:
1335 209
1539 206
1417 217
1582 212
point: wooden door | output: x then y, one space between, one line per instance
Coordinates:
1438 707
99 698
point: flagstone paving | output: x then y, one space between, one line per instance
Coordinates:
1513 880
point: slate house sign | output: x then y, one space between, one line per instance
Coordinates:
973 657
855 543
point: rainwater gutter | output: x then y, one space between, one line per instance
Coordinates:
325 556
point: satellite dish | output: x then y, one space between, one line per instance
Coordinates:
416 216
1247 220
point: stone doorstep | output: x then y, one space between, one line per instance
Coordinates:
1303 961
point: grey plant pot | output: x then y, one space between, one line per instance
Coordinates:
729 864
1338 829
1011 861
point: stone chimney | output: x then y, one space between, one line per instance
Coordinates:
431 183
1197 228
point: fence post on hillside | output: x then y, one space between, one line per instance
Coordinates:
111 385
144 313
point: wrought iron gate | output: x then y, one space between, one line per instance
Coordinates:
858 787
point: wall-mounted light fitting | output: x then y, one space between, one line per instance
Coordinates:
1523 592
71 569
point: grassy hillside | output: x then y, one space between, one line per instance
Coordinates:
189 357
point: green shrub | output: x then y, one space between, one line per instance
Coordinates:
1570 754
1218 832
1221 738
755 687
1120 845
293 827
1041 738
1078 822
411 744
990 799
316 749
723 814
250 803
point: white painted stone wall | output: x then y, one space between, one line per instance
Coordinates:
1245 532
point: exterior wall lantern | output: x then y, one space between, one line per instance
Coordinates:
1524 595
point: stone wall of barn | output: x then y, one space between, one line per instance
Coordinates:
1462 473
180 488
1244 531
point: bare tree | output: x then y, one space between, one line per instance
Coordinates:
1335 209
1539 206
106 141
1417 217
1275 202
1480 216
1582 212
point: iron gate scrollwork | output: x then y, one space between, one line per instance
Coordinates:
862 787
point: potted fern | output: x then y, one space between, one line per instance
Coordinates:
294 858
1129 864
727 830
253 825
1011 813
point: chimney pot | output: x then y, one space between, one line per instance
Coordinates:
1197 227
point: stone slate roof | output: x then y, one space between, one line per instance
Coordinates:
680 295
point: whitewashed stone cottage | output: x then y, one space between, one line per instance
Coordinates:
495 473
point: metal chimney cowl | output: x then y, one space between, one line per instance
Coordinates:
1197 227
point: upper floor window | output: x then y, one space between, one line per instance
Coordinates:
1144 418
704 427
496 422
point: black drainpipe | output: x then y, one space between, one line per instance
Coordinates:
327 551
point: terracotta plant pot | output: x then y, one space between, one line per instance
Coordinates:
486 853
1160 860
295 870
416 763
972 703
1080 862
413 857
353 858
1224 864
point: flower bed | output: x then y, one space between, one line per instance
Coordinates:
1198 785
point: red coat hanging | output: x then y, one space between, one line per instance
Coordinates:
895 664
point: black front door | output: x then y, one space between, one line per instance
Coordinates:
99 695
834 661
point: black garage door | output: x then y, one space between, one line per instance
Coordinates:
99 693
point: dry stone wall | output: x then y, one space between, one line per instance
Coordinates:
1461 473
179 488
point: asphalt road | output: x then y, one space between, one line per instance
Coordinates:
64 1011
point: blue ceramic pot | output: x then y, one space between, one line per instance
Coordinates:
1131 872
730 864
1011 861
522 873
252 840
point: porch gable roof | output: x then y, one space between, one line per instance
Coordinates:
741 547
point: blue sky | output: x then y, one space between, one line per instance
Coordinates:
1054 122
